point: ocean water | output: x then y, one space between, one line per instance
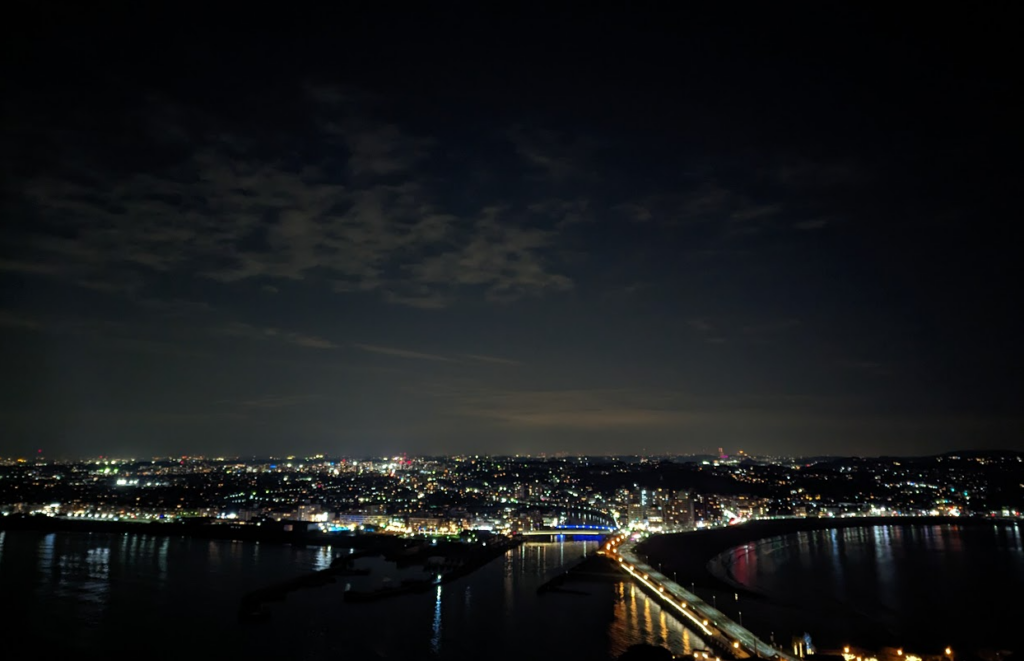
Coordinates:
907 585
80 595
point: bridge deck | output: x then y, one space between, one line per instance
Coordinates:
571 530
706 618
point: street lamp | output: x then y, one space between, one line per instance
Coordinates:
741 618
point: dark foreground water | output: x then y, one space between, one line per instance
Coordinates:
906 585
82 595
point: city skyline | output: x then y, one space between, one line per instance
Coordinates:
457 232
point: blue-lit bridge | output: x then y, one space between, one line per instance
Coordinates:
569 514
589 530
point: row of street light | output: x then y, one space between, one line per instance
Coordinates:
610 549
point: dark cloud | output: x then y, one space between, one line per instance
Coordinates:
672 233
505 260
230 214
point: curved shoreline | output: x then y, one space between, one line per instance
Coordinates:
702 558
688 554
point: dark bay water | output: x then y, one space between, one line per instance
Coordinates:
120 596
906 585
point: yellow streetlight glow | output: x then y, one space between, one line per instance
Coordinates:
949 652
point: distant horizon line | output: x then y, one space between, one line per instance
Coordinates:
541 455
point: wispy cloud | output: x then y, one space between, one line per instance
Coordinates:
555 155
400 353
268 333
176 307
772 326
375 148
871 367
724 213
381 149
564 212
700 324
574 409
29 267
717 331
271 401
310 341
419 297
492 359
811 225
20 321
420 355
804 174
641 410
636 212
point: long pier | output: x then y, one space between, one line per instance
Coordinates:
708 620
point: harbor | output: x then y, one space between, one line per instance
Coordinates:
438 562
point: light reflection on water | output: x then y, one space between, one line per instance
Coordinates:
882 584
100 587
639 619
435 639
322 557
884 566
162 559
512 566
78 576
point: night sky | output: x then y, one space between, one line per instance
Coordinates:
785 229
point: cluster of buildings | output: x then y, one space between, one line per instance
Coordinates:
448 495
